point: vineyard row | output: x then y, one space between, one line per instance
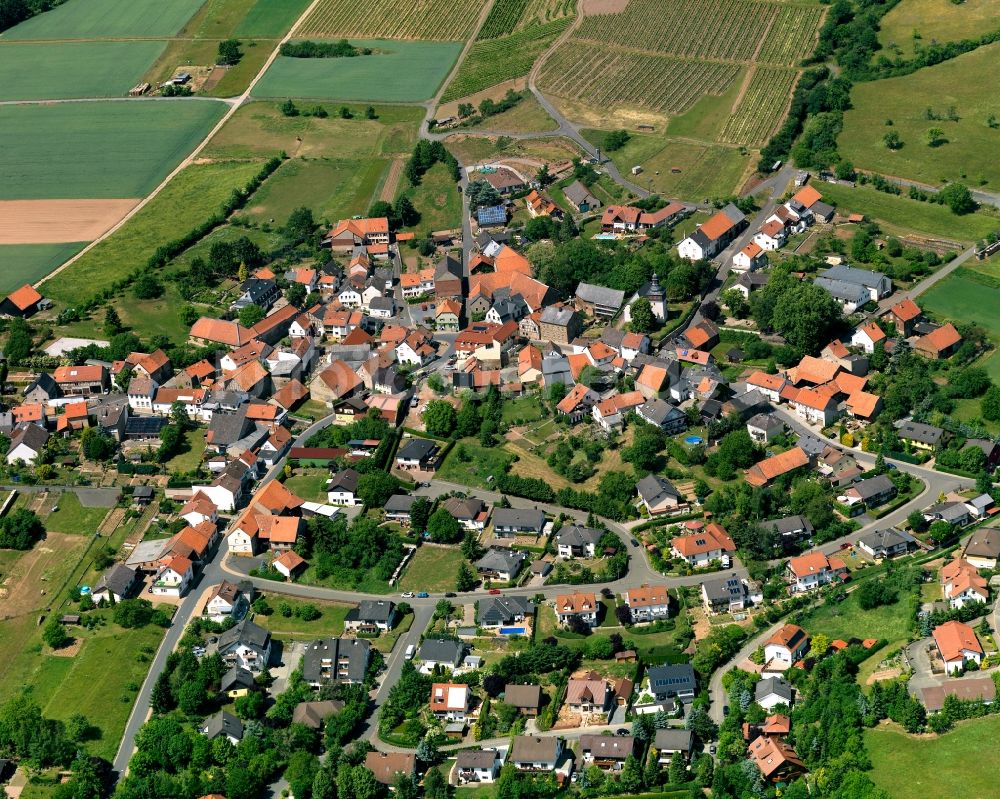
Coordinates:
761 107
438 20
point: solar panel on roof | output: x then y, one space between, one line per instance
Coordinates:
144 425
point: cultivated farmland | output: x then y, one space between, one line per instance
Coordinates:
398 72
792 37
763 103
440 20
101 150
37 71
26 263
87 19
507 16
494 61
609 76
270 18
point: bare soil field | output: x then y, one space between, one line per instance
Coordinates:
592 7
58 221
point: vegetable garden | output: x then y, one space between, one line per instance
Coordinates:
439 20
763 103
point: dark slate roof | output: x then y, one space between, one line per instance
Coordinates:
442 651
723 588
400 503
118 580
518 517
873 486
917 431
672 678
504 560
653 488
416 449
774 685
577 536
222 723
790 525
246 633
228 428
374 610
501 609
346 480
237 677
600 295
673 739
354 650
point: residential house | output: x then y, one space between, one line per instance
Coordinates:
750 258
470 512
500 564
607 752
775 759
336 660
559 324
417 454
574 541
771 236
81 381
449 701
990 449
504 611
982 549
590 694
579 605
289 563
867 336
749 282
887 543
246 645
872 491
397 508
669 418
814 569
962 584
578 402
659 495
447 315
672 681
117 583
348 234
648 603
771 386
786 647
920 436
477 766
26 443
671 741
387 766
580 197
762 474
199 509
610 413
446 654
765 428
337 382
813 405
371 616
864 405
342 488
526 698
772 692
939 343
905 315
725 594
790 528
713 236
535 753
700 549
314 714
237 682
257 291
222 725
958 646
173 577
228 600
509 522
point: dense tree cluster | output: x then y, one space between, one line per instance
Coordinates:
20 529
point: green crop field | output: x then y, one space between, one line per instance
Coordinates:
191 197
935 21
399 72
271 17
260 130
33 71
969 152
438 20
86 19
496 60
99 150
905 214
935 767
333 189
508 16
26 263
964 296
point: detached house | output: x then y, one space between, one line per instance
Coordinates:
534 753
699 549
648 602
787 646
575 541
939 343
963 584
246 645
658 494
477 766
579 605
81 381
606 751
449 701
710 238
509 522
590 694
957 645
814 569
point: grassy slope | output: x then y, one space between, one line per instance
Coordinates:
848 620
97 150
970 151
935 20
400 72
192 196
935 767
72 517
73 69
329 624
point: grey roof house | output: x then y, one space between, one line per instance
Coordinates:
517 521
335 660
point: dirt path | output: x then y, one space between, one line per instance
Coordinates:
388 192
233 106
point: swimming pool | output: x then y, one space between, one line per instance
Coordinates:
512 631
606 237
694 440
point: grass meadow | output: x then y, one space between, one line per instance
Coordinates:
32 71
848 619
399 72
192 196
26 263
86 19
270 17
935 767
437 199
97 150
935 20
330 624
432 569
969 154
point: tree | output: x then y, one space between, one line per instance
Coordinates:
54 634
250 315
370 113
439 417
471 550
404 787
376 487
643 320
192 697
892 140
990 404
251 706
112 323
624 615
468 420
427 751
630 779
20 529
189 315
435 786
737 304
229 52
466 579
296 294
806 315
97 446
289 109
420 512
404 211
678 769
300 225
147 287
958 198
934 137
443 527
615 140
481 193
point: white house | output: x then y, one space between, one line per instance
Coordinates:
963 584
580 605
814 569
199 509
477 766
174 577
958 645
226 601
350 297
534 753
648 602
814 406
750 258
342 489
449 701
773 691
575 541
786 646
771 236
867 336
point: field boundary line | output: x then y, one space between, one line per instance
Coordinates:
234 105
435 101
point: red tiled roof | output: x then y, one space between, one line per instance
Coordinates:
24 297
954 637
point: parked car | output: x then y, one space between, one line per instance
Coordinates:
411 650
450 594
423 595
621 731
407 595
495 591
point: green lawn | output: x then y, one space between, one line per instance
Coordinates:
85 19
310 484
97 150
399 72
935 20
437 199
848 620
332 189
971 144
271 18
969 296
935 767
904 214
330 624
33 71
72 517
522 410
194 446
478 463
432 569
187 201
26 263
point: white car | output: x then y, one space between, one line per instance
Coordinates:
407 595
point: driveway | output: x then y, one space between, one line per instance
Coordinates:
918 658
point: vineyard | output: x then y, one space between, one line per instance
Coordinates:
497 60
792 36
438 20
762 105
609 76
508 16
722 29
